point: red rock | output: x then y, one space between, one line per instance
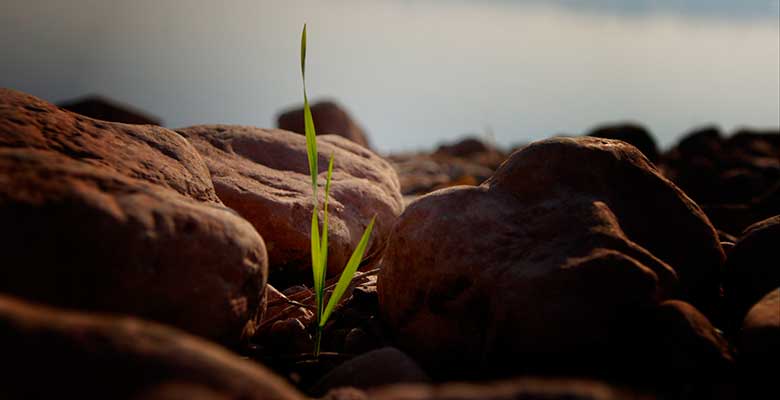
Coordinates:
51 353
537 268
264 175
81 236
329 118
145 152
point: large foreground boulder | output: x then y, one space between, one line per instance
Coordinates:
264 175
145 152
329 118
79 236
539 267
49 353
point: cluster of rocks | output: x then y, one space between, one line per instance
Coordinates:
136 262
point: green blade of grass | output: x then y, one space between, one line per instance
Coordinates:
316 262
324 245
348 273
303 52
308 122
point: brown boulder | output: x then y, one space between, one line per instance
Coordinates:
422 173
683 346
79 236
759 339
537 268
264 175
514 389
145 152
329 118
49 353
735 179
752 268
631 133
379 367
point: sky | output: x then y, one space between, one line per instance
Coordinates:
413 73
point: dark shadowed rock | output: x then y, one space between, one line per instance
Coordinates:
683 346
101 108
422 173
81 236
380 367
49 353
149 153
538 268
474 150
735 179
329 118
515 389
752 268
264 175
631 133
759 339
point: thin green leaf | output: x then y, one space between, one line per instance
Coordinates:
308 122
324 244
348 273
316 262
303 52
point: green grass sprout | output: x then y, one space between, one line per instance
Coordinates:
319 242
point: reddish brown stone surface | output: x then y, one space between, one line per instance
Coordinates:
264 175
545 261
145 152
81 236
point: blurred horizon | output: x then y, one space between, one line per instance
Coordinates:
413 73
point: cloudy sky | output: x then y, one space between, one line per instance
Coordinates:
414 73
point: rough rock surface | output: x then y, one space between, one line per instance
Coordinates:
329 118
264 175
50 353
752 268
145 152
544 260
80 236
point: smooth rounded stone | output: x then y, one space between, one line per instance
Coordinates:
682 345
380 367
53 353
78 236
538 268
514 389
759 339
329 118
631 133
264 176
145 152
752 268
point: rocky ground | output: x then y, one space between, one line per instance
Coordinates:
140 262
